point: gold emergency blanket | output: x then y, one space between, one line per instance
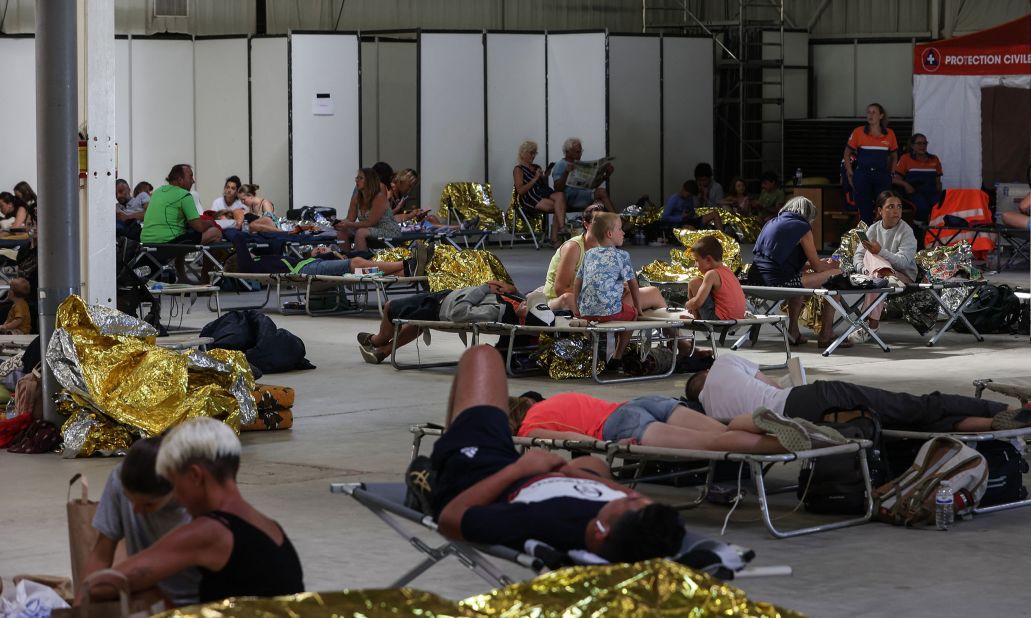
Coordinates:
119 381
681 267
649 214
470 199
566 356
451 269
536 220
748 225
653 588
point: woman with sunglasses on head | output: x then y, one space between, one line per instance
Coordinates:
919 174
876 151
888 252
369 217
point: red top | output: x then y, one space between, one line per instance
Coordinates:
729 300
569 412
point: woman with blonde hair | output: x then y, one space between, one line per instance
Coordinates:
533 192
239 550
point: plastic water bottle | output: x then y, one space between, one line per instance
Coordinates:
943 514
798 176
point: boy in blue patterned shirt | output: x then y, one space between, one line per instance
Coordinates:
603 276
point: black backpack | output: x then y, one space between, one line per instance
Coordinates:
993 309
834 485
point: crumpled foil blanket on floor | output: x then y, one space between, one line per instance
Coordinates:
653 588
119 386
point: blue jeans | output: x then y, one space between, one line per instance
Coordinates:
633 417
333 268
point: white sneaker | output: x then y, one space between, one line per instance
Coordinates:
860 336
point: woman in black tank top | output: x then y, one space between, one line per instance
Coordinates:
238 550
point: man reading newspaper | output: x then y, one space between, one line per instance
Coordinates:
581 180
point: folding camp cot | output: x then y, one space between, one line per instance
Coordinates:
386 501
850 311
638 456
171 342
1002 235
935 290
161 255
1018 388
646 332
442 235
470 332
712 328
303 288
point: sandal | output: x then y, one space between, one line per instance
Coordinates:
825 343
799 340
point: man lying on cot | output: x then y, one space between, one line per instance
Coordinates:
494 301
734 386
479 489
323 261
654 420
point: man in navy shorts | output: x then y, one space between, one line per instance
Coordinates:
479 489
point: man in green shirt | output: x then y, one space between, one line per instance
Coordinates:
172 215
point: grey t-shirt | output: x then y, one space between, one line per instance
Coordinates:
116 520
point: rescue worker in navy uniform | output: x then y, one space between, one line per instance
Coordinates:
876 152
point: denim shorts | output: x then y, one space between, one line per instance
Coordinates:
633 417
708 309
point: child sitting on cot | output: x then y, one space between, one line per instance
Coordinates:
19 318
599 283
717 294
137 505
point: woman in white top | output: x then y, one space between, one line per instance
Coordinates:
889 251
229 198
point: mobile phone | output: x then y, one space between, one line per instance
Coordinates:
550 165
862 235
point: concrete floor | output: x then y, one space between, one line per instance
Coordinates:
351 424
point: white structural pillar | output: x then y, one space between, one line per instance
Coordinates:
98 249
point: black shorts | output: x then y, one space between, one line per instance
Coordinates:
189 237
417 307
476 445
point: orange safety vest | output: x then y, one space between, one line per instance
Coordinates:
969 204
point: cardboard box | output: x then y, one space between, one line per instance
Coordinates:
1009 194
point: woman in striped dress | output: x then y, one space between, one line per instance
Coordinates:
533 192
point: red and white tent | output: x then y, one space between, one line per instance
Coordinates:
948 76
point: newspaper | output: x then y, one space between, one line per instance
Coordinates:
587 174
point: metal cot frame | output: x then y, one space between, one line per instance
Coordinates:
756 462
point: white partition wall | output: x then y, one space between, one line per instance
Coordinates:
451 114
516 108
635 117
390 96
324 147
162 107
270 125
18 112
884 74
687 108
576 93
123 112
221 113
